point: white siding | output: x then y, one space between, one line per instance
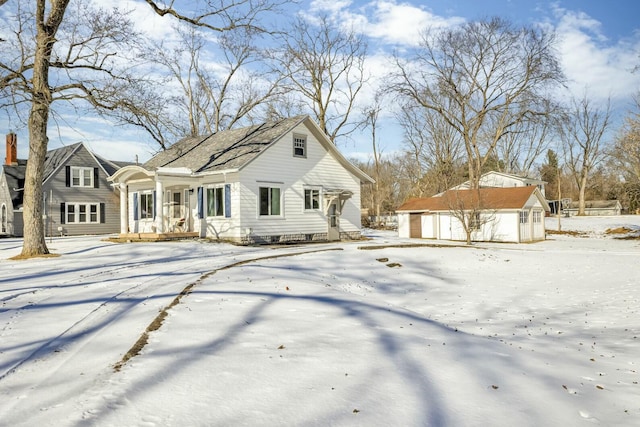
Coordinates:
277 167
403 224
428 226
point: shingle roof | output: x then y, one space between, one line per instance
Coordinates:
56 157
14 176
490 198
229 149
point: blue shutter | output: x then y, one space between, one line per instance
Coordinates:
135 206
67 176
154 204
200 202
62 213
227 200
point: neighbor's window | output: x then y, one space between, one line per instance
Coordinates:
269 201
146 205
3 219
299 146
311 199
215 201
524 217
81 177
82 213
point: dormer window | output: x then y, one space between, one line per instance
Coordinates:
299 146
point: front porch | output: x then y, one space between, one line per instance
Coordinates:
154 237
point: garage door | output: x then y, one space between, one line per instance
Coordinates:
415 225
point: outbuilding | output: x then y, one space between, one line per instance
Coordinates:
511 214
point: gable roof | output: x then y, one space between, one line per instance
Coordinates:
225 150
56 158
490 198
512 176
484 180
15 174
233 149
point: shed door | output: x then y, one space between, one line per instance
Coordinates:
415 225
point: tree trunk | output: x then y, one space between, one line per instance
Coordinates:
34 240
581 201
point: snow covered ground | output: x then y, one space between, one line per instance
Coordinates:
372 333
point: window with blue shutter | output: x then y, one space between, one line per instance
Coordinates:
227 200
135 206
200 202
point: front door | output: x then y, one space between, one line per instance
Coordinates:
333 220
178 209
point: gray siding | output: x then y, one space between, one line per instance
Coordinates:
5 200
57 192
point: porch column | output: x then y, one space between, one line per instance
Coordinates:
124 217
159 207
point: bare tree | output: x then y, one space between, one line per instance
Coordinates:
581 134
495 77
371 120
520 149
207 90
325 66
74 52
68 60
221 16
626 148
435 147
492 73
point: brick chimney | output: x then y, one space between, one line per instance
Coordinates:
12 150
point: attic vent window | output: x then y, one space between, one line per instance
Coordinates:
299 146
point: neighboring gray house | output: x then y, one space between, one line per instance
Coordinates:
596 208
78 199
274 182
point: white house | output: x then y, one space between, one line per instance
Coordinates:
510 214
274 182
505 180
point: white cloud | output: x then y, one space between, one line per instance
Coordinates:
145 19
594 63
388 21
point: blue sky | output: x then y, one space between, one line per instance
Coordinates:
599 44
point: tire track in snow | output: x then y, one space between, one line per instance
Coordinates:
66 354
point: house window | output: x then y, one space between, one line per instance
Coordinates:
474 221
269 201
537 217
3 219
146 206
215 201
524 217
299 146
82 213
81 177
311 199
